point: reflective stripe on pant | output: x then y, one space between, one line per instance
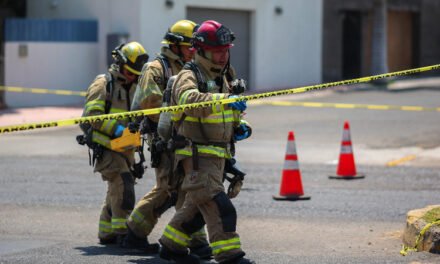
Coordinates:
113 217
225 242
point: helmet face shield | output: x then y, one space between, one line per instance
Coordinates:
176 39
224 36
136 67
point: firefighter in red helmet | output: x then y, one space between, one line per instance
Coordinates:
203 141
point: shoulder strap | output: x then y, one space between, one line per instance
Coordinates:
201 84
109 95
203 87
167 72
228 73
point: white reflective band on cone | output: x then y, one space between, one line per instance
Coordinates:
346 135
290 149
346 149
291 165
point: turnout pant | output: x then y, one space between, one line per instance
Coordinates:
205 201
147 211
120 197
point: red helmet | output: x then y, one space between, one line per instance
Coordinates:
213 35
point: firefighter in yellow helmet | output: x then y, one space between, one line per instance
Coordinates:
204 140
113 93
149 94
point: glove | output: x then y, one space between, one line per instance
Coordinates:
147 126
234 189
240 106
242 132
118 131
138 170
238 86
133 127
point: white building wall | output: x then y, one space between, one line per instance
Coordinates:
289 45
55 66
114 16
286 49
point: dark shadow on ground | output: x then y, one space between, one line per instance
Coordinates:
149 260
111 250
157 260
115 250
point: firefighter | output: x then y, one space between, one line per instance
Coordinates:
203 141
112 93
149 94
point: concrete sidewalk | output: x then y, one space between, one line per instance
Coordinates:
18 116
422 83
395 85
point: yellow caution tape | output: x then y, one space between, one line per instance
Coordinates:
180 108
40 91
406 249
347 106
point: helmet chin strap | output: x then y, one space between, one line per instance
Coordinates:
228 65
179 52
224 71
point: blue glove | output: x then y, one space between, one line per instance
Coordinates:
240 106
118 131
242 132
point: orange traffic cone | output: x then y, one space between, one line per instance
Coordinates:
346 167
291 186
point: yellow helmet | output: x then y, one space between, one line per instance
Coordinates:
180 33
132 56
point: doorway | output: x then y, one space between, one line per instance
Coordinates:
351 45
239 23
403 40
8 9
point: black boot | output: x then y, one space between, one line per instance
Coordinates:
203 252
131 241
108 241
244 261
178 257
117 239
238 259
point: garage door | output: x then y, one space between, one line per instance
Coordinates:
239 23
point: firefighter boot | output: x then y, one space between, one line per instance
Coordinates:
131 241
203 252
237 259
117 239
108 241
179 258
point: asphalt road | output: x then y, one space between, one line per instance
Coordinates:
50 199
